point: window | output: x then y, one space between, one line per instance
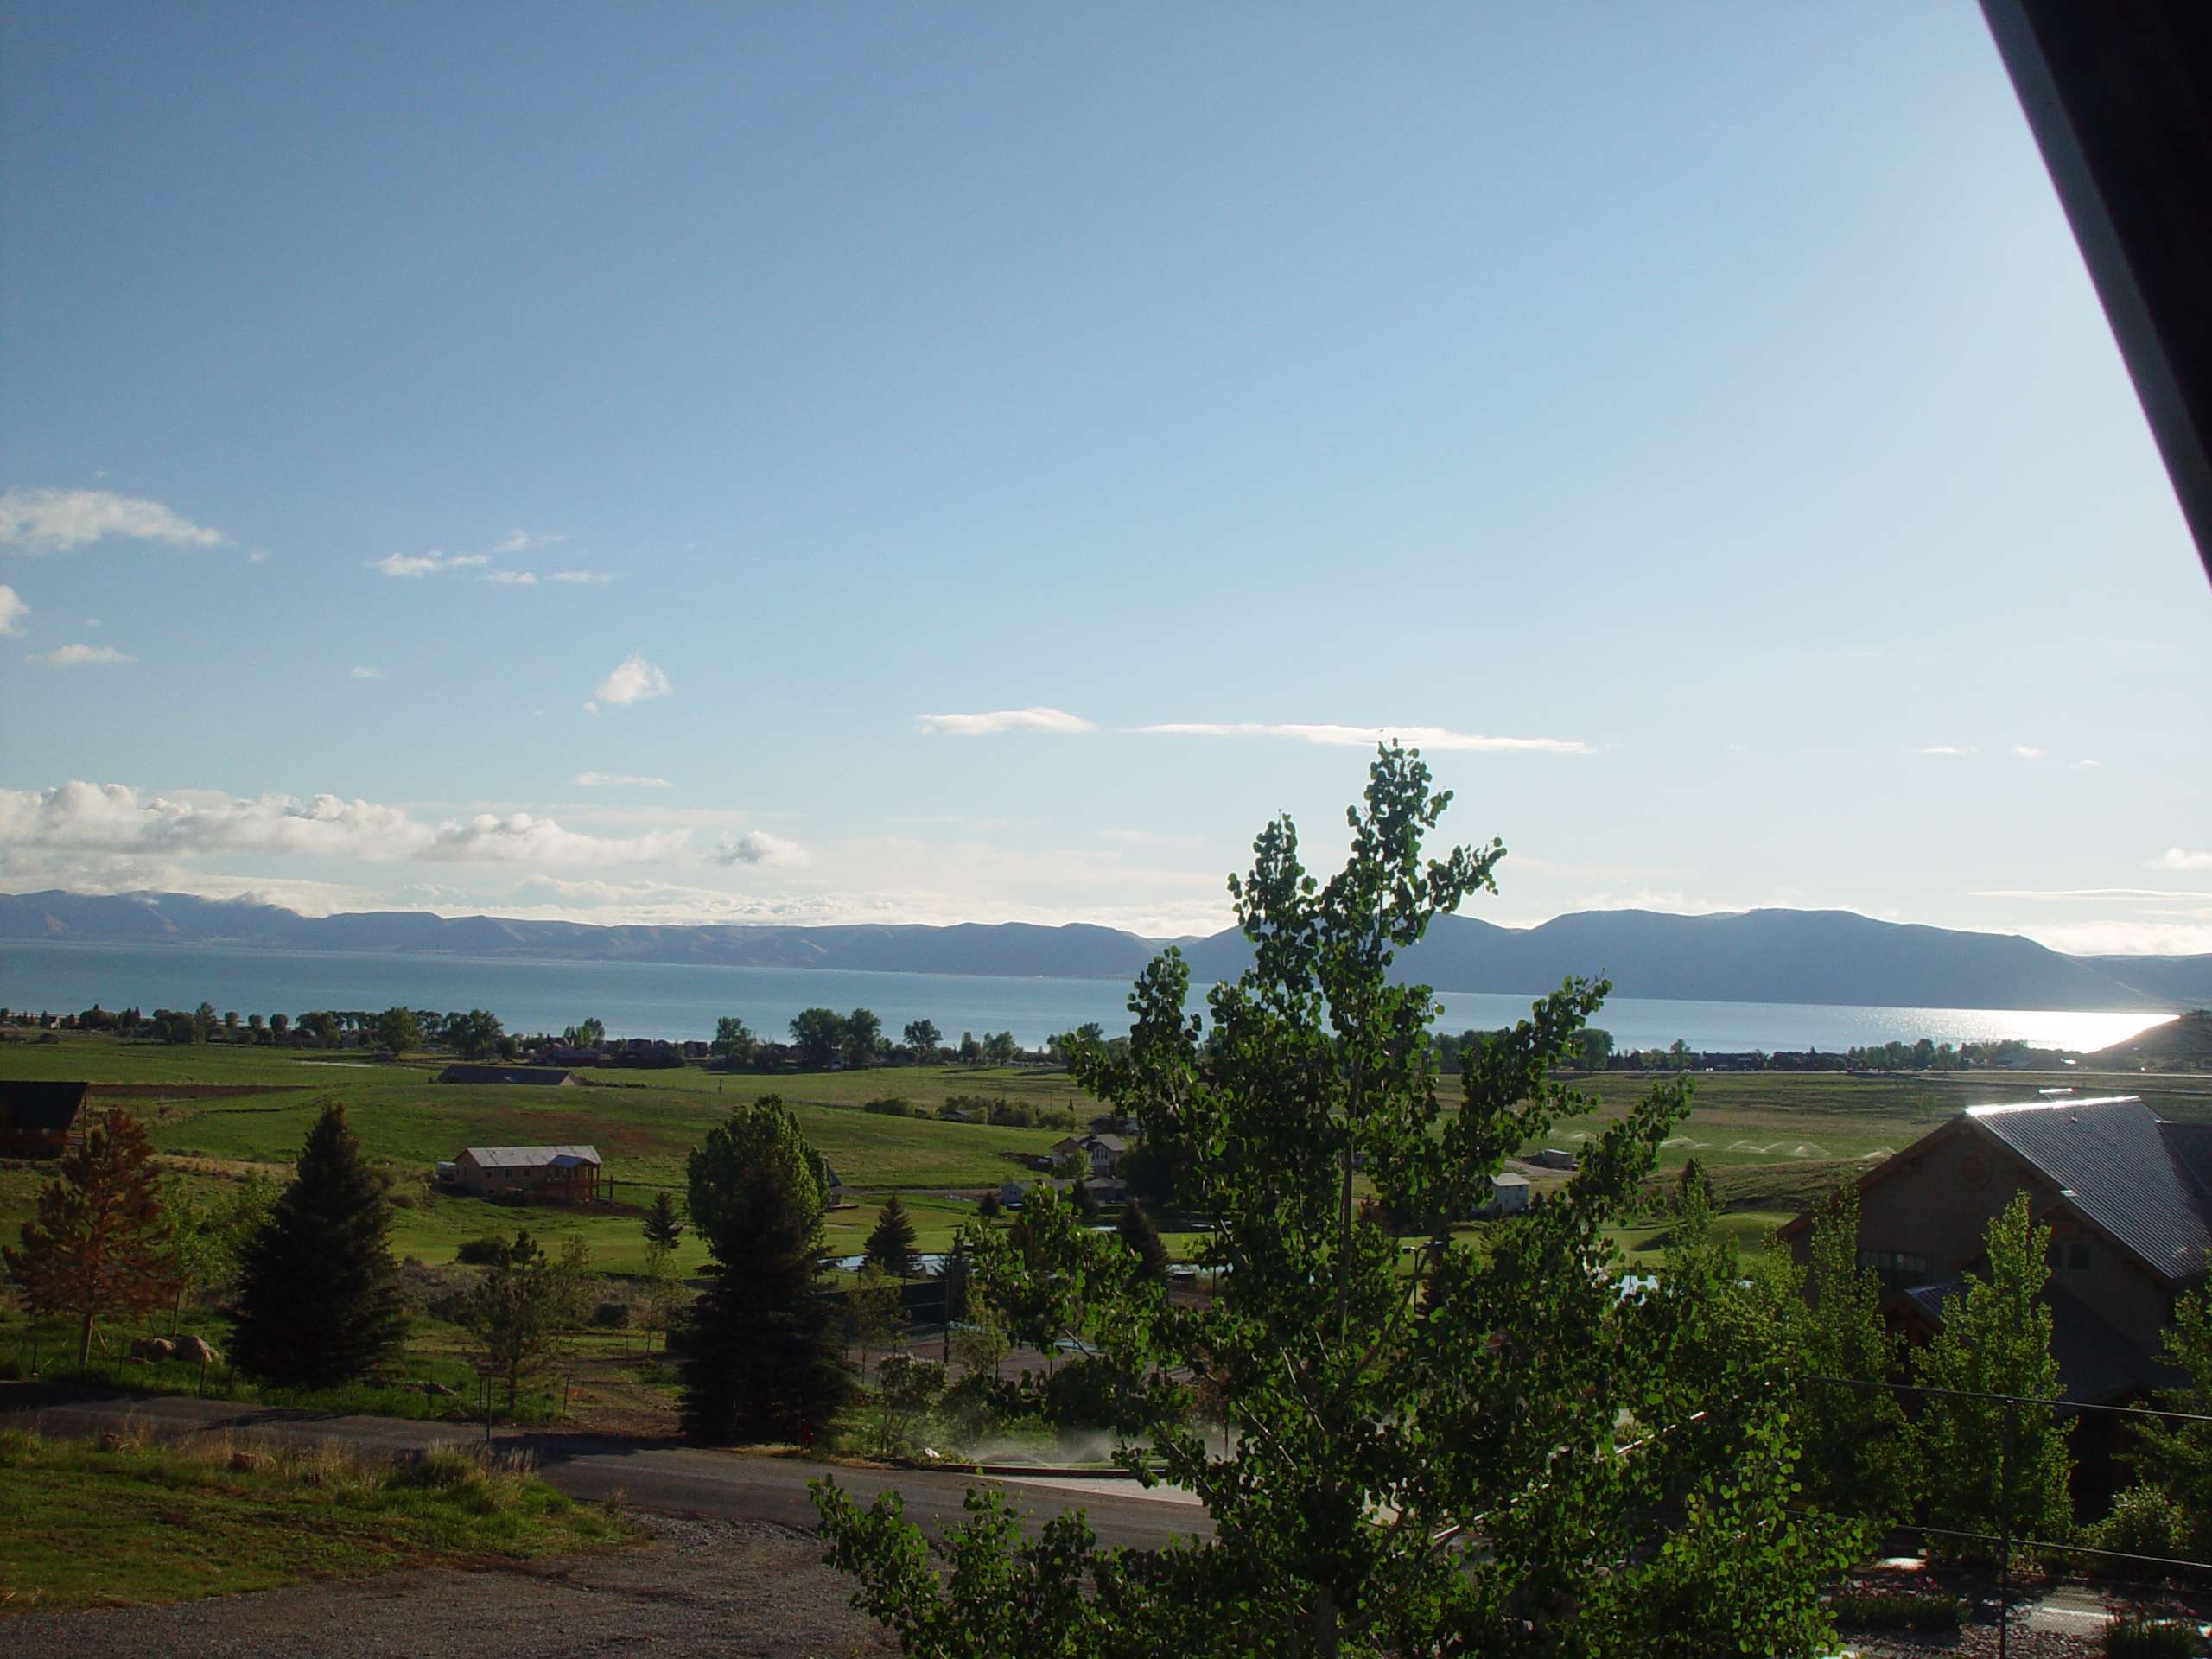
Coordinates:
1900 1270
2069 1258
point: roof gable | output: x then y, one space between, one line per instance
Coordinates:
40 1105
2116 1165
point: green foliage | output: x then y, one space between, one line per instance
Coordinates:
1860 1457
591 1032
662 1225
819 1033
2150 1638
2146 1521
762 1362
1475 1448
99 1246
861 1039
516 1313
1991 1466
1143 1238
397 1030
891 1244
2177 1458
1856 1611
925 1039
316 1304
906 1389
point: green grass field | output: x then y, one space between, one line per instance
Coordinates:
87 1526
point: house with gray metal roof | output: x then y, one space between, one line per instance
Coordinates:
2126 1197
566 1174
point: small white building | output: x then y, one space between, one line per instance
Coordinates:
556 1174
1509 1196
1551 1158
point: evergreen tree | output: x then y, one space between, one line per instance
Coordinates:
317 1304
1987 1462
1141 1236
891 1244
762 1361
99 1246
1858 1453
661 1225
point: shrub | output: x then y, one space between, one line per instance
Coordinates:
1856 1611
482 1252
2144 1521
2149 1638
611 1316
891 1106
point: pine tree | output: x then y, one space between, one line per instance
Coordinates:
1141 1236
762 1360
317 1304
99 1246
661 1227
891 1245
1987 1462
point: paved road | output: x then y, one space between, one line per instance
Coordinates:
670 1479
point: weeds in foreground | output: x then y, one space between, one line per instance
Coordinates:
119 1520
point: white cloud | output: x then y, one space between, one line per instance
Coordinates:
513 578
2127 939
113 819
12 607
757 847
73 656
1006 719
365 674
579 576
610 780
2175 859
53 521
634 680
2027 753
522 541
1422 737
1946 748
423 564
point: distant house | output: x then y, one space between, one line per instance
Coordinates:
2126 1197
555 1174
1509 1196
39 1120
1551 1158
552 1076
1103 1151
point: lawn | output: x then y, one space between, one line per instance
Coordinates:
87 1526
644 1123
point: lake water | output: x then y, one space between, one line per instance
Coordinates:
683 1000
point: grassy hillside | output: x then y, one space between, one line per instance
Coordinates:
642 1129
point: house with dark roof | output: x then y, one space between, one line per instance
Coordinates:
41 1119
545 1076
2127 1196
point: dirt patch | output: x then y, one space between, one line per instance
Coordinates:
699 1587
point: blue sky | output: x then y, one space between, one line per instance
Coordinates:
1695 419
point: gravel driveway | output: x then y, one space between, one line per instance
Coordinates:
727 1588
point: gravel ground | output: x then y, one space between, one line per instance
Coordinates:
733 1589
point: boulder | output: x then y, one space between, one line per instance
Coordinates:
151 1348
193 1351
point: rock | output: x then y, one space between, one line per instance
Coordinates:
151 1348
193 1351
246 1462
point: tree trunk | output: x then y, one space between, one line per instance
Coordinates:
84 1341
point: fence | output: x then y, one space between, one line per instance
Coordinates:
2003 1537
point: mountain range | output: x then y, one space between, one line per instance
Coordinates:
1831 957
